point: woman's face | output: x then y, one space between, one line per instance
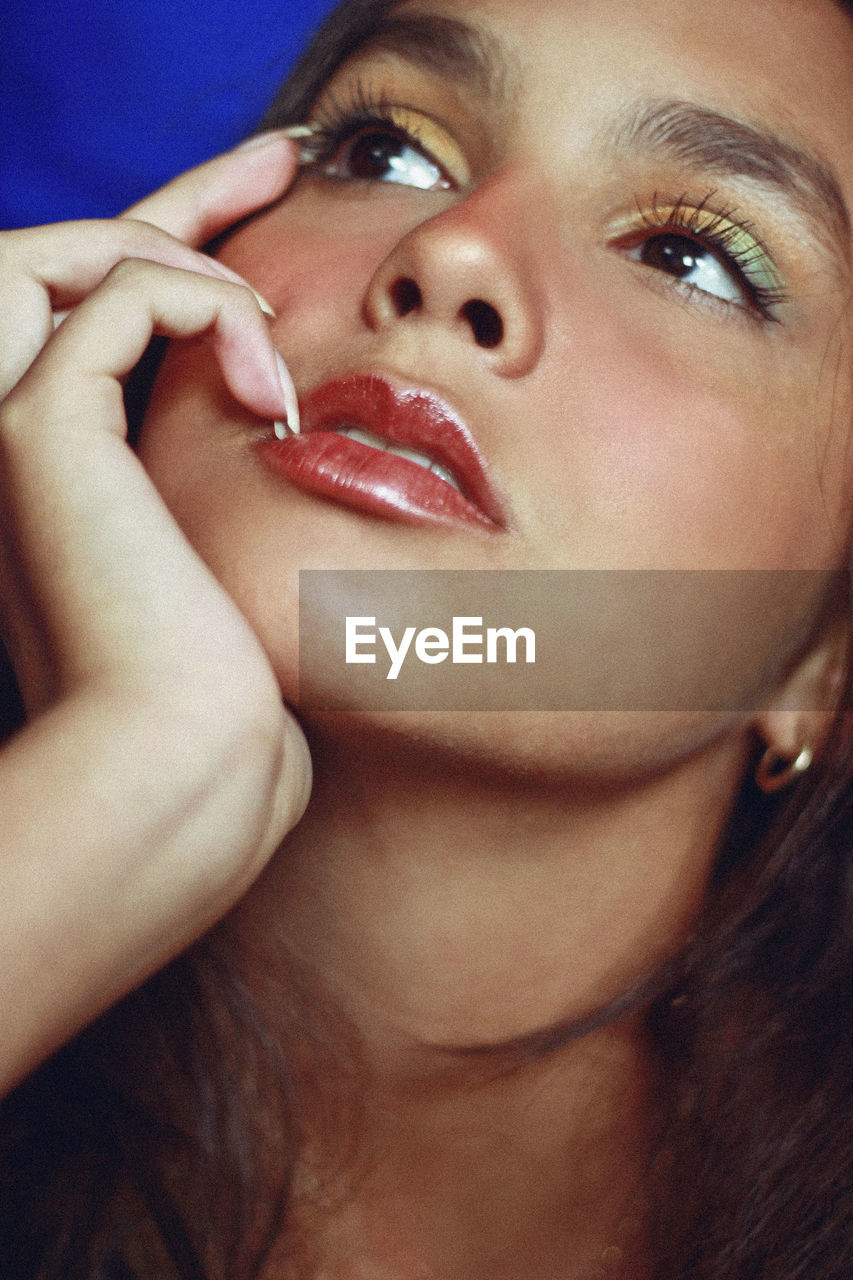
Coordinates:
610 238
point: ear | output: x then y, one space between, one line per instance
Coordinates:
801 711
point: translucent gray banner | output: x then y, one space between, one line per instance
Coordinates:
557 640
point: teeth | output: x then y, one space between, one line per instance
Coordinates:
363 437
412 455
443 474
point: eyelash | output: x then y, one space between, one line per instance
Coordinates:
716 230
340 121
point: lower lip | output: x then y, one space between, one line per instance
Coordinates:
370 481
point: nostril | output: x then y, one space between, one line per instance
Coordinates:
406 296
485 322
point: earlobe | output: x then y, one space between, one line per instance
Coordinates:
796 723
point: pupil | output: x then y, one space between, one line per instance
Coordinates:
371 154
674 254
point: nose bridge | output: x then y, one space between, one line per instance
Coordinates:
468 270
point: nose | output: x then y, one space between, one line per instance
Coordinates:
466 272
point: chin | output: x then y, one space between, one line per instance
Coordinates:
570 750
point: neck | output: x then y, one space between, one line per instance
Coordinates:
450 916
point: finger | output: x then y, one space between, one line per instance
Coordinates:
53 268
62 432
108 332
210 198
68 259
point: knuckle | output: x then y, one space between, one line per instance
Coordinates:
137 238
129 273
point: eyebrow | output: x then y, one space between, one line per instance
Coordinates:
718 144
448 47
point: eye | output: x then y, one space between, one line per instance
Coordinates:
717 254
695 264
367 139
383 153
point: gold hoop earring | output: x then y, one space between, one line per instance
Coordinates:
775 771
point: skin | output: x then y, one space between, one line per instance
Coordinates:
555 862
681 452
118 633
629 424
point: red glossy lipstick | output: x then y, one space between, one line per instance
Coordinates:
346 470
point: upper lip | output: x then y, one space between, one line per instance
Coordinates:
416 417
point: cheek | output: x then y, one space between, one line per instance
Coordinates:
313 259
315 286
658 457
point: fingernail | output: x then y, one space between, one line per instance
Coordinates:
289 393
310 135
281 430
297 131
293 131
263 304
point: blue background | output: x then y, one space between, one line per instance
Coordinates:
101 101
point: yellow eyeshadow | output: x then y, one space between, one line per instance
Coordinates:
433 138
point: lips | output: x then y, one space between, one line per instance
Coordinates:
387 451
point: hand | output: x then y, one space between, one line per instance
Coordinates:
159 770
